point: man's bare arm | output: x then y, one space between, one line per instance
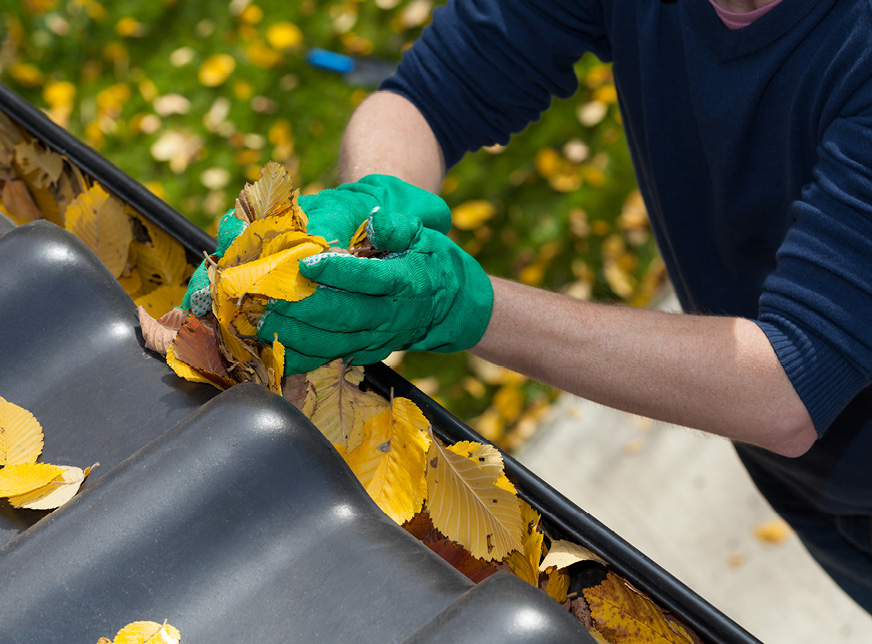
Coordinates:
716 374
388 135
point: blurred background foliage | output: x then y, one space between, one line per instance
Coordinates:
192 98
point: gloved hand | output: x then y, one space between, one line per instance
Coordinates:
426 294
334 215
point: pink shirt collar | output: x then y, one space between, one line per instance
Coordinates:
734 20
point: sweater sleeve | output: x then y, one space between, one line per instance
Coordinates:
816 306
484 69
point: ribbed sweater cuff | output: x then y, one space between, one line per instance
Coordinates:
823 378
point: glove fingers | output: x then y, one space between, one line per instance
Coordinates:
391 231
316 342
354 274
336 214
332 311
395 195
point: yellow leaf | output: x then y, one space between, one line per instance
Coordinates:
565 553
521 567
472 214
161 300
391 460
773 531
557 585
275 276
360 236
341 408
289 240
216 69
54 494
98 219
45 164
598 637
249 243
18 479
525 563
283 35
185 371
163 263
465 503
272 195
21 437
625 616
148 633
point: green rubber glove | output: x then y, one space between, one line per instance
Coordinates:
426 294
334 215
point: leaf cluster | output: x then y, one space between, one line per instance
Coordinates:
38 183
24 482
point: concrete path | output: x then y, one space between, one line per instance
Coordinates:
683 499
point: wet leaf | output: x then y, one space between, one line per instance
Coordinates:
21 437
21 206
196 346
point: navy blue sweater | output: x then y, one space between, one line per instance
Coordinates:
753 151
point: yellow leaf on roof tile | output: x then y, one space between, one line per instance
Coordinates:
148 633
54 494
18 479
21 437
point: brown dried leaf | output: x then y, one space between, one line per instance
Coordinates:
578 607
21 206
197 346
159 334
300 393
421 527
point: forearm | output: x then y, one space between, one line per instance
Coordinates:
388 135
717 374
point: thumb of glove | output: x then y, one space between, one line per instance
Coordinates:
391 231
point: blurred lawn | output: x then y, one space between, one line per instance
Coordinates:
192 98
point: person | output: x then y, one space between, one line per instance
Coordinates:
750 128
